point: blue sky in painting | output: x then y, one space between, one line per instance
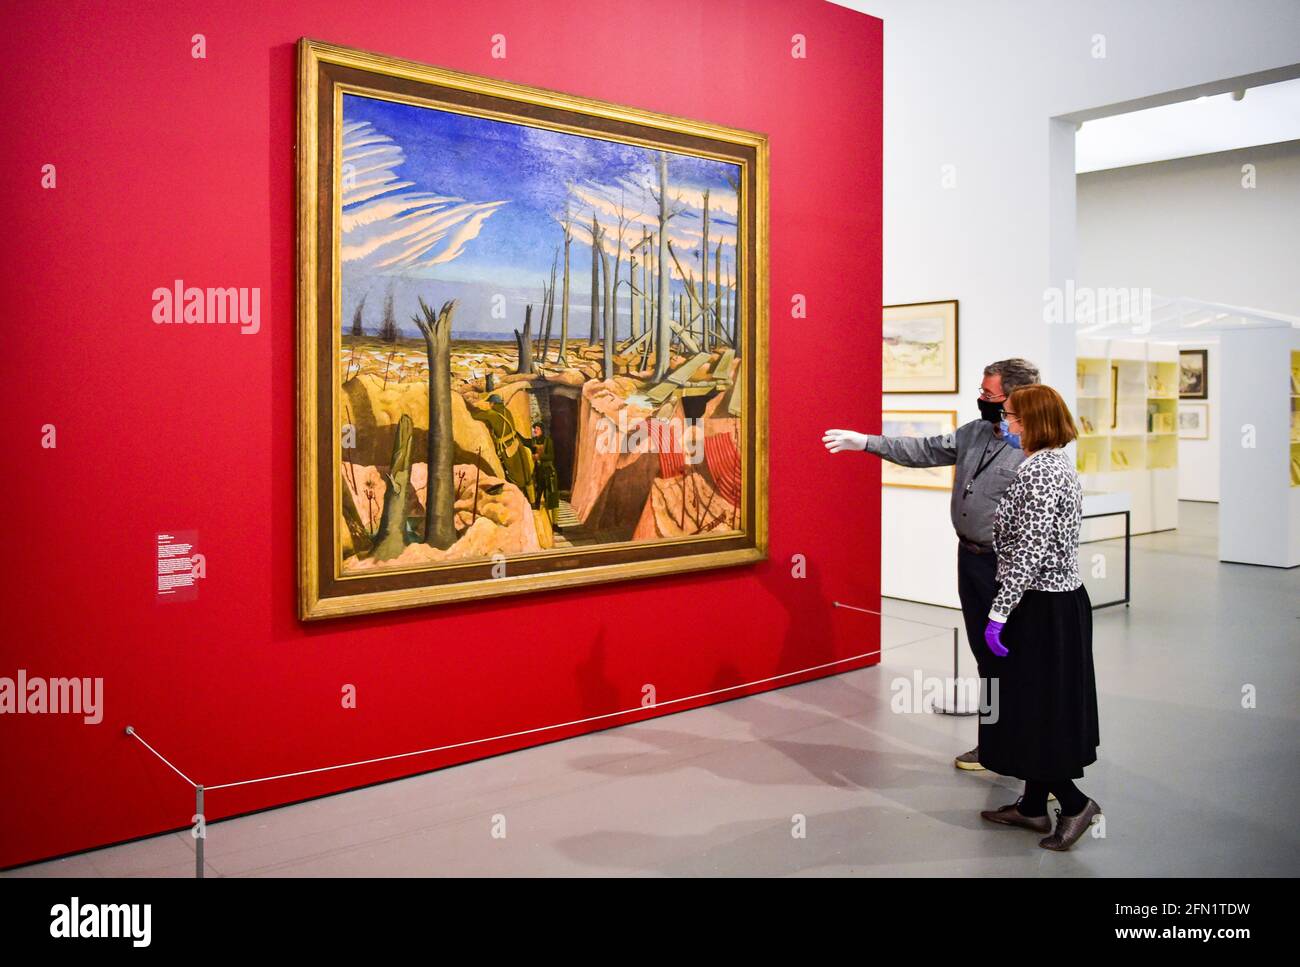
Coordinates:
452 206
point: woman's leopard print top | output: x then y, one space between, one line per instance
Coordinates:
1036 530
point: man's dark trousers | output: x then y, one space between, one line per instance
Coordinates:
977 576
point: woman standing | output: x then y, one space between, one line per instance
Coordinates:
1044 726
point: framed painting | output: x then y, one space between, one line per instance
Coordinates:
919 354
917 423
1114 396
1193 421
1193 374
532 338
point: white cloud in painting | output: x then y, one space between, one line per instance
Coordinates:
386 228
634 194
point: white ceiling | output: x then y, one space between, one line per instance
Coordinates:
1164 319
1266 115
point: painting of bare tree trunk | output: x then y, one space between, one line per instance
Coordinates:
439 504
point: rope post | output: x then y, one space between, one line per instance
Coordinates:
203 832
956 667
199 831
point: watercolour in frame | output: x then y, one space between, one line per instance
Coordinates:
532 338
1193 421
917 423
919 350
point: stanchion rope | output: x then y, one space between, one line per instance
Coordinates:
131 730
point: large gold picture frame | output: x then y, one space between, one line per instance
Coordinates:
713 376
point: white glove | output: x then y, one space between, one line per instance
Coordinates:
837 440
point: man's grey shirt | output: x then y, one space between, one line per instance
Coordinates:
972 445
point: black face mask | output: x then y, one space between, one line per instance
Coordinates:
991 411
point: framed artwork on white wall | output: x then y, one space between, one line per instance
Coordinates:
1194 421
1193 374
917 423
919 351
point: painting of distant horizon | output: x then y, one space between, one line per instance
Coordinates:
541 357
919 353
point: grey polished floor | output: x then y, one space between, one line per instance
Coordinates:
1191 782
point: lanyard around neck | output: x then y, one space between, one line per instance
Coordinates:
970 484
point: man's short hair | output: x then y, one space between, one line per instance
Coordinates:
1014 372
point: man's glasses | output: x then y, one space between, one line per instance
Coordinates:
986 395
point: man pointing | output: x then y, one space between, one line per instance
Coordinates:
985 466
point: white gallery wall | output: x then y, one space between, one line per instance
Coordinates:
1190 227
1259 509
970 197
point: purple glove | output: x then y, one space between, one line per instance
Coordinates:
993 638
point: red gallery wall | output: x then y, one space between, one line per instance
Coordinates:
169 167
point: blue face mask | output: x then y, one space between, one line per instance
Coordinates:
1013 439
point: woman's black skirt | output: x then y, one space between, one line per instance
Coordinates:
1042 696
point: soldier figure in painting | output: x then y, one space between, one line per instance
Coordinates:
545 478
512 446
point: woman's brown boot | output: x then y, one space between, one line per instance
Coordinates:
1070 828
1012 816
